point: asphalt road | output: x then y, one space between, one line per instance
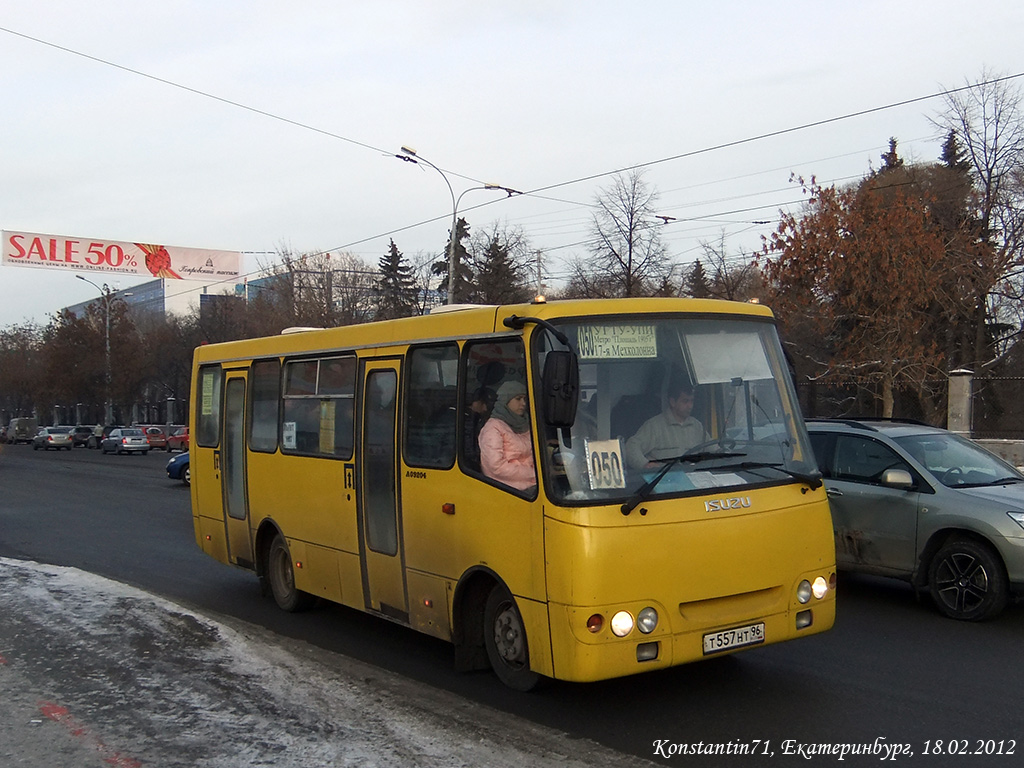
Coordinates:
892 675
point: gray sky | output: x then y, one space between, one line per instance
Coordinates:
312 100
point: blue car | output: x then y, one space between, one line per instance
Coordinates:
178 469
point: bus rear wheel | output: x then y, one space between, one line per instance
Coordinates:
282 578
505 641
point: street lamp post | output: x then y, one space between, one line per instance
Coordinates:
105 293
409 155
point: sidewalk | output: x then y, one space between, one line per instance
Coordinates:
96 674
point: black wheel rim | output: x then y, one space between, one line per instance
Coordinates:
509 636
961 582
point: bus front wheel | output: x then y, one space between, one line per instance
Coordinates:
282 578
505 640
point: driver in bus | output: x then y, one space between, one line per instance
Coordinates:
670 433
506 445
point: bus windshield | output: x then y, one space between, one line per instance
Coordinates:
674 406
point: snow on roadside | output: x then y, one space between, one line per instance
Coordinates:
157 684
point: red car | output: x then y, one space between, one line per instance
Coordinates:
156 437
178 441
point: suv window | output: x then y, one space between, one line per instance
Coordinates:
863 460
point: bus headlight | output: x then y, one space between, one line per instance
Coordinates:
647 620
803 591
820 587
622 624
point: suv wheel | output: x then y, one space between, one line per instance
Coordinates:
967 580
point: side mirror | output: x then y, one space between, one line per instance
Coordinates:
560 386
897 478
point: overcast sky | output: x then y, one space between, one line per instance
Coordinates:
256 126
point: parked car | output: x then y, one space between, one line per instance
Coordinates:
178 468
178 441
922 504
126 440
156 437
52 437
101 434
81 433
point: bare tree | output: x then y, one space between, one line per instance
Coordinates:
985 121
629 258
733 278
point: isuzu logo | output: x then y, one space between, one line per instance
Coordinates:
720 505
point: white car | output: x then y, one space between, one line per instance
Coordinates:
125 440
52 437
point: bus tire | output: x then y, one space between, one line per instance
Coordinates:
282 578
505 641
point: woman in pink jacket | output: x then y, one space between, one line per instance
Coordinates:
506 445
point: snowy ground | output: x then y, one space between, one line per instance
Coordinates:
94 673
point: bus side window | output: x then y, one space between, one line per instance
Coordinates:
208 420
266 399
431 401
487 365
318 406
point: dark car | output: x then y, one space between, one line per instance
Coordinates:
925 505
99 435
125 440
178 468
81 433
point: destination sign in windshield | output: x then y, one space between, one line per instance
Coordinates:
616 341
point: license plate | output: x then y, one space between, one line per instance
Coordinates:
727 639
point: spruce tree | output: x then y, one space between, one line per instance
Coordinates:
396 287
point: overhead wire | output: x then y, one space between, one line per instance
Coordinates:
536 191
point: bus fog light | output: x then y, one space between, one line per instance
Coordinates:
819 587
803 591
622 623
595 623
647 620
804 619
647 652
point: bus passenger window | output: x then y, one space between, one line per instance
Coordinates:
318 407
208 419
266 399
431 402
490 366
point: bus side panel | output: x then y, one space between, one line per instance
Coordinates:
492 529
308 499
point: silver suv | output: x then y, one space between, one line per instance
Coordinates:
922 504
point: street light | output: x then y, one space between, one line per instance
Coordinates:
105 293
409 155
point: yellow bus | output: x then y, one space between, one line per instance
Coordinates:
361 465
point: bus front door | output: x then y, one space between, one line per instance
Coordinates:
232 461
380 531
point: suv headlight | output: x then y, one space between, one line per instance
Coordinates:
1017 517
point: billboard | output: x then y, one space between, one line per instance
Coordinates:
29 249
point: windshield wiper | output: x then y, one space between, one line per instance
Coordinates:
813 479
691 458
1003 481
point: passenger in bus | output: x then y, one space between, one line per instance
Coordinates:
670 433
479 411
506 444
